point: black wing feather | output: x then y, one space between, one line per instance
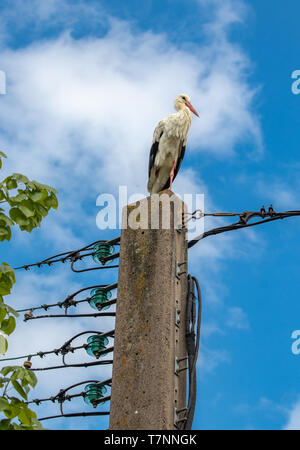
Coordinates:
177 167
179 161
153 152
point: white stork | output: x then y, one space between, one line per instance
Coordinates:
168 145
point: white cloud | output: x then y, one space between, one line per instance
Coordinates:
237 318
207 329
263 407
282 191
209 359
35 18
79 113
279 193
224 14
293 422
89 105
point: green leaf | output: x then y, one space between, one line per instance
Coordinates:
2 155
3 345
13 409
4 404
8 325
38 185
5 219
41 210
19 389
20 178
37 195
5 370
5 286
11 183
3 230
4 289
30 226
18 373
17 216
10 310
5 424
5 233
31 378
18 198
3 311
51 201
26 209
4 380
4 268
7 279
37 425
25 386
26 415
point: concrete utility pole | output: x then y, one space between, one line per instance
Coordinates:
149 377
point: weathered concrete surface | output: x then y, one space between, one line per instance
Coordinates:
145 389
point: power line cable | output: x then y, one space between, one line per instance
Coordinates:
69 300
192 343
67 348
245 217
75 255
97 397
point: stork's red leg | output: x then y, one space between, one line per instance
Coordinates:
172 175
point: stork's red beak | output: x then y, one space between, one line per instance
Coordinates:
191 108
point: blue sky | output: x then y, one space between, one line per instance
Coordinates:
86 84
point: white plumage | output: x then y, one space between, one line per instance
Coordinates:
168 145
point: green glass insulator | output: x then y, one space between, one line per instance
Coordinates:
93 393
98 299
96 344
102 250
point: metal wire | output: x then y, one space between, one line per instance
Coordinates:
69 300
192 342
51 316
73 256
61 397
65 348
83 414
245 217
96 363
103 260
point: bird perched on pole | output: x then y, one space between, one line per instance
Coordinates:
168 145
